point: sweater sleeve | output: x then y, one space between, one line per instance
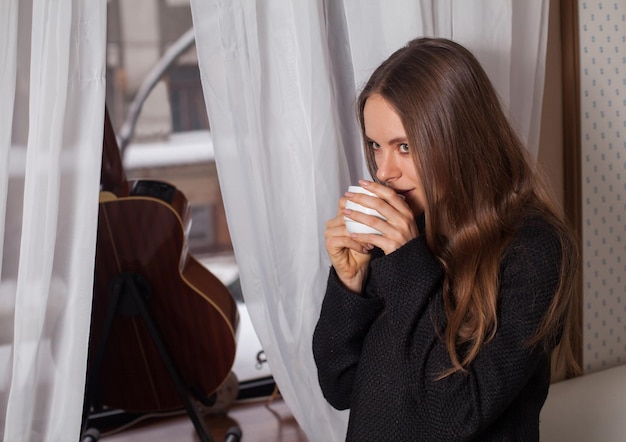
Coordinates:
338 338
346 317
462 405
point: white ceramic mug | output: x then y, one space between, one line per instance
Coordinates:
356 227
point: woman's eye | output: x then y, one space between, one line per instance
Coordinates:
404 148
374 145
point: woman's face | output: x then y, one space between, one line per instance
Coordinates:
394 160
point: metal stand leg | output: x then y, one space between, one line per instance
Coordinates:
124 289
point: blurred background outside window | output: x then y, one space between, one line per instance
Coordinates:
169 137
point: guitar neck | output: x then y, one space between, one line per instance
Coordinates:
112 178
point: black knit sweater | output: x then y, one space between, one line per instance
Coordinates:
379 354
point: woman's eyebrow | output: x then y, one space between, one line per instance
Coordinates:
396 140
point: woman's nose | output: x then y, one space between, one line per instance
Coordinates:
387 168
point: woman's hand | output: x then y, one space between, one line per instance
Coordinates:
399 226
349 252
349 257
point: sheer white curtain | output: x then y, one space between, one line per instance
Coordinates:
52 85
280 79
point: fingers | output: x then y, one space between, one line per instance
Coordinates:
338 239
387 203
392 238
349 257
388 243
398 226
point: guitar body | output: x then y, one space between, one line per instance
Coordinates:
143 233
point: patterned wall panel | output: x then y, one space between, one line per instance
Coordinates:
603 129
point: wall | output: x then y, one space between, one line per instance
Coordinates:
602 44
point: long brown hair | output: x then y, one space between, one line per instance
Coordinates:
479 182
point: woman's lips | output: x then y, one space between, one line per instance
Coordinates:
403 193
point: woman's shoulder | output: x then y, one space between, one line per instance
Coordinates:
537 239
535 227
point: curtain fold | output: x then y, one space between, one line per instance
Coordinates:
280 80
8 52
52 114
264 65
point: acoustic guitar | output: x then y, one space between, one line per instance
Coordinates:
142 238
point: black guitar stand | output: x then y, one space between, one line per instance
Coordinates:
128 295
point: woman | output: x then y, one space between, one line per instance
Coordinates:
442 328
